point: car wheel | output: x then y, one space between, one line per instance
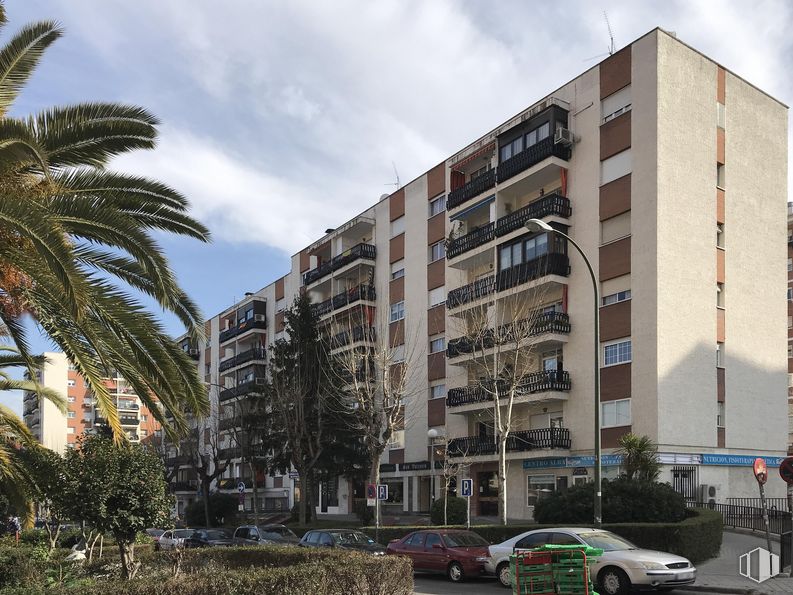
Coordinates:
504 575
613 581
455 572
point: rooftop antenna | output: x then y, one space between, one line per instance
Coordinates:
396 173
611 41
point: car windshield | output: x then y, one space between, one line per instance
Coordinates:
606 541
215 534
154 532
464 540
277 531
351 537
182 533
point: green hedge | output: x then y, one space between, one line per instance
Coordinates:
698 537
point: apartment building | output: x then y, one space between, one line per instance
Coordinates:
790 324
670 172
58 431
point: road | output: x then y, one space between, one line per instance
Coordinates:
426 584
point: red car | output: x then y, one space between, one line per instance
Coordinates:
457 554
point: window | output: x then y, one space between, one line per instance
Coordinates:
719 355
789 264
721 115
614 298
398 354
70 430
144 433
479 172
144 418
790 380
437 205
719 295
790 321
563 539
618 352
398 226
615 228
437 296
720 175
720 235
70 414
397 311
537 487
398 269
397 440
615 413
511 149
437 345
438 391
70 399
437 251
789 350
280 305
71 382
533 540
432 539
615 167
720 415
616 104
790 294
522 251
417 540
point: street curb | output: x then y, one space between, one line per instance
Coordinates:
715 589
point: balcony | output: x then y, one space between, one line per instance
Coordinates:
548 264
359 333
256 353
544 322
473 188
538 382
245 388
129 420
518 441
340 300
469 241
531 156
359 251
259 321
227 424
547 206
190 485
178 460
472 291
128 406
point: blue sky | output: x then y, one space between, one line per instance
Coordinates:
281 119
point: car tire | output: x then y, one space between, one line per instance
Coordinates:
455 572
613 581
504 575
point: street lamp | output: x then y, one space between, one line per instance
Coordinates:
432 434
535 225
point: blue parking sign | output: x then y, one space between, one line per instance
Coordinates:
467 488
382 491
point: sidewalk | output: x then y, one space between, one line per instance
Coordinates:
720 575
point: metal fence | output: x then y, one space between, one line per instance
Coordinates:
772 503
750 517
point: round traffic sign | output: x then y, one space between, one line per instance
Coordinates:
760 470
241 487
786 470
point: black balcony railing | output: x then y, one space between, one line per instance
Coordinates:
229 453
550 204
129 406
536 382
129 420
479 236
473 188
178 460
472 291
358 333
352 295
190 485
366 251
548 264
245 388
543 322
531 156
255 353
259 321
517 441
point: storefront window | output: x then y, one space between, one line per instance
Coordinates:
395 491
539 486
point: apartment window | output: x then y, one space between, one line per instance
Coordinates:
720 175
280 305
615 167
397 311
70 414
144 433
615 228
721 115
789 264
398 226
790 294
511 149
71 382
437 205
720 295
70 430
617 352
438 391
789 350
398 354
616 104
720 415
522 251
144 418
70 399
614 414
437 344
437 251
719 355
398 269
538 134
479 172
790 380
614 298
790 321
437 296
720 235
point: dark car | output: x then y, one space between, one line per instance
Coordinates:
279 534
348 539
253 535
209 538
457 554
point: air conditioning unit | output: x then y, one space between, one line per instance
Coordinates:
708 494
259 317
563 136
194 351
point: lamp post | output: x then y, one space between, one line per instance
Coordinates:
535 225
432 434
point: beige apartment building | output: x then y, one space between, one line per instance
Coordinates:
58 431
670 172
790 325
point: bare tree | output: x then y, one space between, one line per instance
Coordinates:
203 449
451 471
505 364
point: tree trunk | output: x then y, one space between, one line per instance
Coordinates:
378 516
129 568
255 494
310 505
205 495
446 503
502 479
301 508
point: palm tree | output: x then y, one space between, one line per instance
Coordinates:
639 457
71 230
15 477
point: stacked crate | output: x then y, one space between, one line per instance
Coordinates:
553 570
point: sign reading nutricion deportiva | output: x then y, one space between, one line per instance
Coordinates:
738 460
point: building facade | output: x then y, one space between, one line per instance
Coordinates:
670 172
790 325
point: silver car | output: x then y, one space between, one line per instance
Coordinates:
173 539
622 566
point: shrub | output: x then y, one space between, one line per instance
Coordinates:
456 511
659 503
222 510
22 566
295 513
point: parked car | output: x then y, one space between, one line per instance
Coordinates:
173 538
279 534
251 535
209 538
457 554
155 534
348 539
622 567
